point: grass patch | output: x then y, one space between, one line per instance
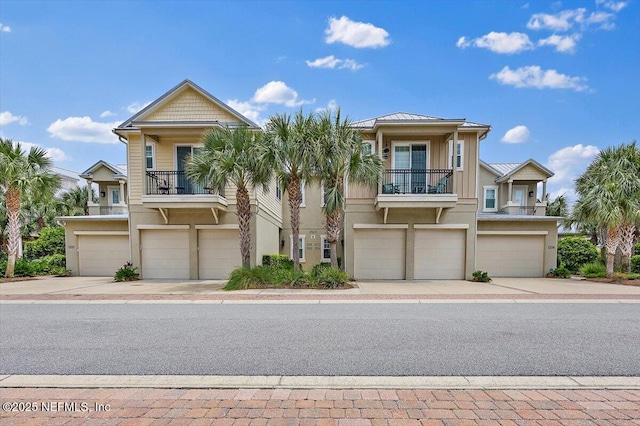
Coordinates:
281 275
593 270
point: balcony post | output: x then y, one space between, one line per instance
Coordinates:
454 161
143 149
122 194
510 191
380 154
544 191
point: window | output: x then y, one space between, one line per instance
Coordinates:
410 163
278 191
459 154
326 249
369 147
149 156
301 248
114 195
490 199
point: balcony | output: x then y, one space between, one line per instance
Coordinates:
408 188
173 189
539 209
95 209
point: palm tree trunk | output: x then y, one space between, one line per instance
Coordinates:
244 224
13 229
613 238
627 237
295 199
332 227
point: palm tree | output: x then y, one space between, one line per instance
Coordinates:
75 202
342 156
233 156
609 193
292 152
22 176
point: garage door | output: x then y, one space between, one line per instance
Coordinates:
102 255
511 255
439 254
165 253
218 253
379 254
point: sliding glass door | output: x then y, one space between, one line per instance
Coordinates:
410 162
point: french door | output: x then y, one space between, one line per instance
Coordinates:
409 163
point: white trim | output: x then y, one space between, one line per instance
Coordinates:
175 151
484 198
525 196
461 143
380 226
110 202
441 226
323 259
167 227
229 226
513 232
409 143
153 155
100 232
371 142
302 246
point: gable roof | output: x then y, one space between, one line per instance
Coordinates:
505 170
117 172
419 119
130 124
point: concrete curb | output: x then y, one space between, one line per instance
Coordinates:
320 382
299 301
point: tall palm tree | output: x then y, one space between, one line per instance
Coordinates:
609 193
21 176
341 156
292 152
75 202
233 156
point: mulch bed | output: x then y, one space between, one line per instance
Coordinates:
614 281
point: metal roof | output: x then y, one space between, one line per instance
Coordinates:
411 118
504 168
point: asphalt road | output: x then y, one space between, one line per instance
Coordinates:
337 339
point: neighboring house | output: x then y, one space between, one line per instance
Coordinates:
427 219
112 188
68 179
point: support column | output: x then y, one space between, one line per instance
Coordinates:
454 161
122 194
544 191
510 191
143 139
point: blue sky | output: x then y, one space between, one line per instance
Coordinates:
556 80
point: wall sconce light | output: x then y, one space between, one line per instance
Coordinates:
530 194
385 153
282 243
103 194
342 242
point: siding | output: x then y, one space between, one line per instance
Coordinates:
529 172
269 202
190 106
135 172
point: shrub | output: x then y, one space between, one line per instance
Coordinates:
329 277
276 260
51 241
59 260
481 277
24 268
636 249
574 252
127 273
593 270
635 264
561 272
619 276
633 276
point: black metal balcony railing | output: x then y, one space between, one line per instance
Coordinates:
174 182
411 181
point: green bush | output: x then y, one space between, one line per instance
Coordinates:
636 249
24 268
282 275
51 241
574 252
59 260
276 260
633 276
329 277
561 272
593 270
635 264
481 277
127 273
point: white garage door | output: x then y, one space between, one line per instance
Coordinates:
102 255
511 255
439 254
218 253
379 254
165 253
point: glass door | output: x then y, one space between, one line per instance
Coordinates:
410 168
520 198
418 169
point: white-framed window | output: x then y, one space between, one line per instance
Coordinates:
326 249
490 203
459 154
278 192
149 155
114 195
302 193
301 248
410 161
369 146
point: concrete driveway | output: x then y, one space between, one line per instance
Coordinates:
499 286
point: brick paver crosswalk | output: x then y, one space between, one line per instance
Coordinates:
41 406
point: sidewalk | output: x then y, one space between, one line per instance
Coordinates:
339 407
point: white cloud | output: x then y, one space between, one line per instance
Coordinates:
136 107
604 19
518 134
499 42
107 113
56 154
332 62
563 44
7 118
567 164
355 34
4 28
277 92
616 6
331 106
248 109
534 76
83 129
561 21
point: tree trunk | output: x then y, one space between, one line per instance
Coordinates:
295 199
332 227
613 238
627 238
13 201
244 224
